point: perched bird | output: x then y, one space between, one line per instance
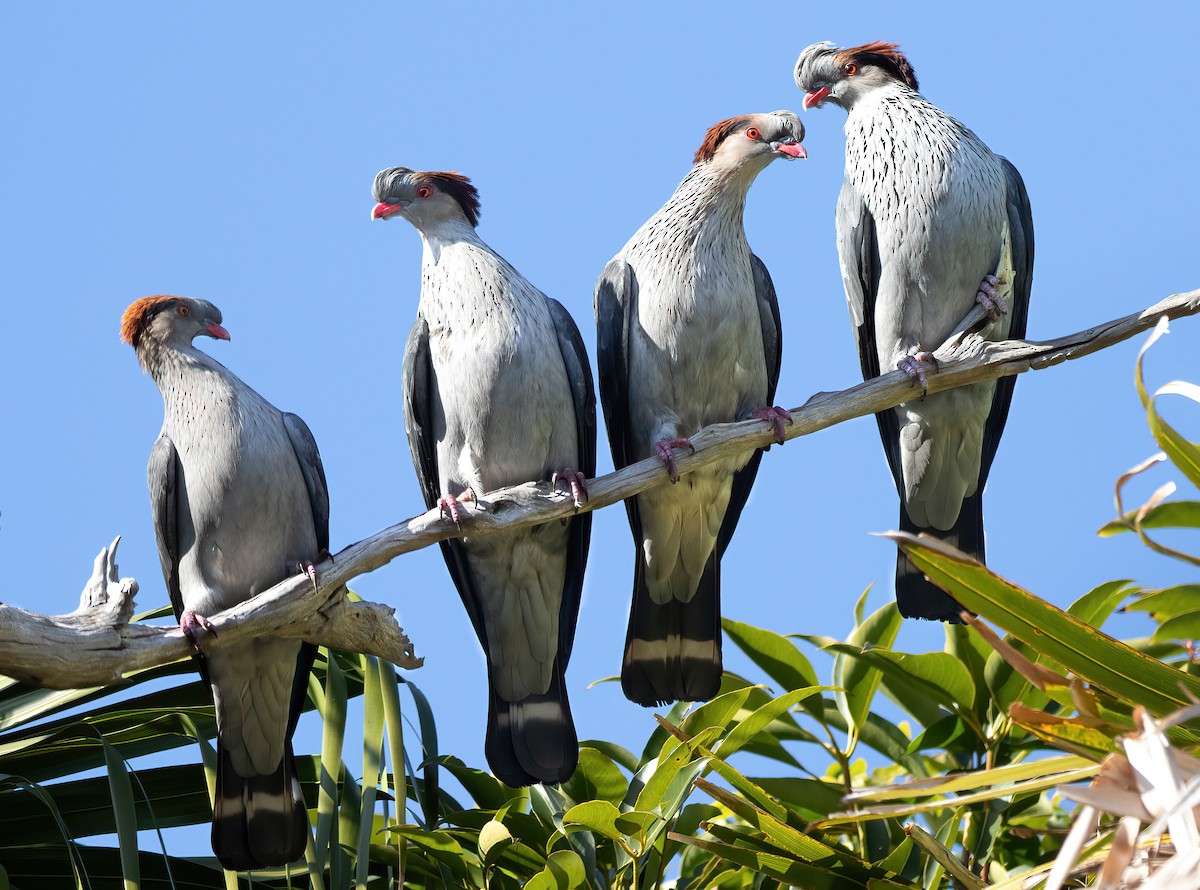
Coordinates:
929 221
498 391
239 501
688 334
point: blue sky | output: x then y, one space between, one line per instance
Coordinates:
227 152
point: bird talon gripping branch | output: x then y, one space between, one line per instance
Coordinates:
777 417
194 627
990 298
576 484
309 569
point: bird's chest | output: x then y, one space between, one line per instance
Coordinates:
937 199
697 348
498 380
243 511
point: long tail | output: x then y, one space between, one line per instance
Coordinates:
916 596
673 651
532 740
258 821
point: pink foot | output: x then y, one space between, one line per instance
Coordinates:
307 568
989 298
912 365
449 504
775 416
194 627
577 482
663 448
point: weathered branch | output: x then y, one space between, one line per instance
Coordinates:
95 645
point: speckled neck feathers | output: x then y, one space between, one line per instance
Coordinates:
895 126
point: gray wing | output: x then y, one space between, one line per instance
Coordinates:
772 335
417 412
583 395
417 383
858 251
1020 223
162 473
313 471
615 307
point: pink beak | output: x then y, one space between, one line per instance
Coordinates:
791 149
815 97
215 330
383 211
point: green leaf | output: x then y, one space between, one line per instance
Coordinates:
1168 602
1092 655
1097 604
754 724
776 655
637 824
333 714
125 813
798 874
598 816
596 778
811 799
428 795
1184 454
940 672
950 733
857 681
373 722
1169 514
490 835
1184 626
622 757
564 870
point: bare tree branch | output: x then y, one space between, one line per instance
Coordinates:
96 645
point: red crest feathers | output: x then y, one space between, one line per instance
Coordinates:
885 55
457 187
134 318
715 136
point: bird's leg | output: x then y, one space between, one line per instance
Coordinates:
775 416
663 448
449 504
309 568
194 626
989 297
575 480
912 366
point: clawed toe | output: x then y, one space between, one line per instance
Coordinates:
309 569
664 449
575 480
913 366
449 505
990 299
194 627
777 417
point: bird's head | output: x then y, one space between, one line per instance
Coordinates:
424 198
753 139
167 320
843 76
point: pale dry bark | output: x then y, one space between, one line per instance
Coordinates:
96 644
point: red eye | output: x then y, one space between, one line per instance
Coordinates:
850 68
424 191
752 133
184 311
